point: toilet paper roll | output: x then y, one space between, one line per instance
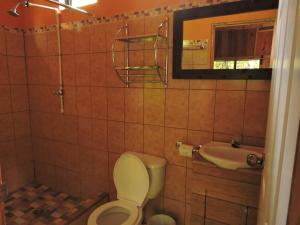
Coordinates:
186 150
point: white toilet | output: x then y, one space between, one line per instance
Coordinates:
138 178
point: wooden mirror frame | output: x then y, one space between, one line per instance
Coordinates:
213 11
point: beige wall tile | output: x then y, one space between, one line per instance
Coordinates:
85 132
98 38
84 101
154 140
199 137
154 106
70 129
5 99
21 124
82 40
201 109
175 183
70 101
116 135
231 85
229 114
256 113
177 102
19 94
227 137
14 44
99 134
67 41
36 44
68 69
82 69
6 128
110 31
258 85
53 71
2 43
116 101
134 137
52 43
203 84
99 102
134 105
16 70
98 70
253 141
4 79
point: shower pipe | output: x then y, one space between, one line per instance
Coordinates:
60 91
13 12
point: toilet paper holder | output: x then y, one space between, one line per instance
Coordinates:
196 148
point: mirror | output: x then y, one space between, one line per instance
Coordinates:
225 41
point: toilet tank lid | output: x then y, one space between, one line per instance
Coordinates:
152 162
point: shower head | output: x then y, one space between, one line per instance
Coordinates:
13 11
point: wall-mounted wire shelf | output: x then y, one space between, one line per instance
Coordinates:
157 72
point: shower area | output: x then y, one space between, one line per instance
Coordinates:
41 174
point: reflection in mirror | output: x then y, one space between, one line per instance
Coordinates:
237 41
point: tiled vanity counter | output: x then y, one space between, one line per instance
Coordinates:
222 197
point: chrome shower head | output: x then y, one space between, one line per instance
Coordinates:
13 11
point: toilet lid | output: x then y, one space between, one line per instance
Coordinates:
131 179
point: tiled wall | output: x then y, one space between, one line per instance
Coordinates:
15 142
76 151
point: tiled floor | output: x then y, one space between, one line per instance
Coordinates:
41 205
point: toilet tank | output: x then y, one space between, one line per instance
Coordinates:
156 168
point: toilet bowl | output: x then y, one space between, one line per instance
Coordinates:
116 213
138 178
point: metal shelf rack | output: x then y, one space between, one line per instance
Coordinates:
156 73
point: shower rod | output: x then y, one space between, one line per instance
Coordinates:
70 7
14 12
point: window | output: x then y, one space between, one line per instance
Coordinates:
222 64
248 64
237 64
78 3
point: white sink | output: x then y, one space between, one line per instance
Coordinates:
225 156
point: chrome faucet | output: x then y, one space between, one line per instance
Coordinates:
235 143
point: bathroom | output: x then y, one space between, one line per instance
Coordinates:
68 112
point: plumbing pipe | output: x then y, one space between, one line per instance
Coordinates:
70 7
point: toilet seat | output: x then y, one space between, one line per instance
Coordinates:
118 212
132 183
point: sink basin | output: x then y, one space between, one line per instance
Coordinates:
225 156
